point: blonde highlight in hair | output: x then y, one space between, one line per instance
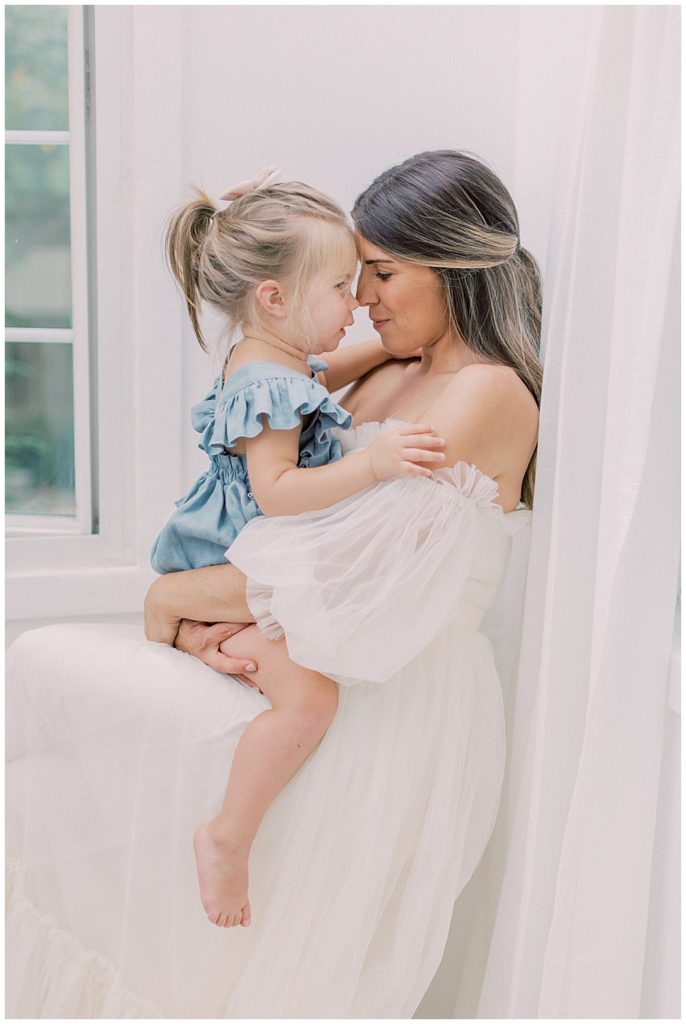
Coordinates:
446 210
288 232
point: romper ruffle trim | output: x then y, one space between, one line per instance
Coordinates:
282 402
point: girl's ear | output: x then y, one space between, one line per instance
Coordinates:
271 298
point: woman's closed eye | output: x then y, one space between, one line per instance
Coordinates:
382 276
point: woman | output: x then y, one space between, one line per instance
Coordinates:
358 862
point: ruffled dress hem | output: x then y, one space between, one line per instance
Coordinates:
53 969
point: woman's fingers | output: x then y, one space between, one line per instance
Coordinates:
203 640
197 637
229 666
219 631
249 682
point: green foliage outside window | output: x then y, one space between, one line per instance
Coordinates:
36 93
39 431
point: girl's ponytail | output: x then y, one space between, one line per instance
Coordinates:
186 234
285 231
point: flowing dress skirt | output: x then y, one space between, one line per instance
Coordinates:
354 871
118 748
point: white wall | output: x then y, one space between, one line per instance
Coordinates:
334 95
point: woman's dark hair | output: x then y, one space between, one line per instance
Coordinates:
446 210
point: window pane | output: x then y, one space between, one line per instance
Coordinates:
36 94
37 240
39 429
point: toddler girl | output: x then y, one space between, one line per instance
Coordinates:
278 263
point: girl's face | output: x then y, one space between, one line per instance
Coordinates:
330 309
407 302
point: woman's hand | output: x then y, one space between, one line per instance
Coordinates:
397 451
202 640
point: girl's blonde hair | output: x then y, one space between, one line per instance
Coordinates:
285 232
448 211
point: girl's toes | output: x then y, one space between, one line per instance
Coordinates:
245 917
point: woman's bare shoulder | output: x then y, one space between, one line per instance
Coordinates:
488 416
494 388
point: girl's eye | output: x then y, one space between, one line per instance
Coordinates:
383 277
342 285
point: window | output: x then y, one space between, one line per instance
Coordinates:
48 403
80 557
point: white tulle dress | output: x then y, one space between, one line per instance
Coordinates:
119 748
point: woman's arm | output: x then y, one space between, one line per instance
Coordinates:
213 594
350 362
216 595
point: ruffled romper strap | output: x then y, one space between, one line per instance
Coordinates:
262 393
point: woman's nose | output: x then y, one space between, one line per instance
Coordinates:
364 291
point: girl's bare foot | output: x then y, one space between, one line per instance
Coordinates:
223 878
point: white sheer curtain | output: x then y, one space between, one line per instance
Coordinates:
554 925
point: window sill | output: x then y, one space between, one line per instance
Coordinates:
94 591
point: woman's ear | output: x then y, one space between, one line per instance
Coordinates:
271 298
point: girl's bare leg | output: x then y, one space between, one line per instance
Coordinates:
270 751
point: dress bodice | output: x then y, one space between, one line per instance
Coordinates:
390 568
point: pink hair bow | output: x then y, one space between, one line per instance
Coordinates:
261 180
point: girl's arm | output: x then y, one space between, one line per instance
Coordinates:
350 362
281 488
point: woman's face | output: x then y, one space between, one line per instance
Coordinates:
407 303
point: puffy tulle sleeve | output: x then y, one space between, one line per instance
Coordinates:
361 588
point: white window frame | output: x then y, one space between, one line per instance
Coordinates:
78 335
105 572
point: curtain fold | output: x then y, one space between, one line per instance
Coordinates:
554 924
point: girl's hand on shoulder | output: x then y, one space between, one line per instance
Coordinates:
399 450
202 640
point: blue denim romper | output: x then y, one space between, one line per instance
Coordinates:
219 504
